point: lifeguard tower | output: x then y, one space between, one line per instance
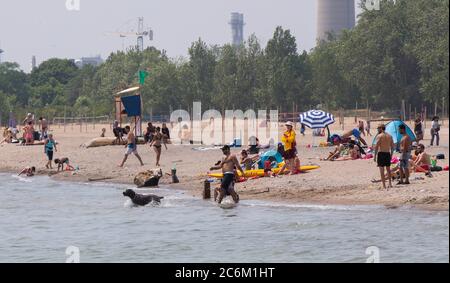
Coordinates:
128 103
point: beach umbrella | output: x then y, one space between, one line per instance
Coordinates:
316 119
392 129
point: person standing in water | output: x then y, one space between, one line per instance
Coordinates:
228 165
49 145
405 150
158 140
131 147
384 148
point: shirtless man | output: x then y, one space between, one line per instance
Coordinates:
405 150
423 160
131 147
384 148
227 165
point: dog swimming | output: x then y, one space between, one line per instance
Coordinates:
142 200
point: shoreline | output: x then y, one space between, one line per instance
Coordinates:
334 183
273 197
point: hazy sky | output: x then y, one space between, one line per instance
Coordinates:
45 28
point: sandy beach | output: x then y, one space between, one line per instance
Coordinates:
339 183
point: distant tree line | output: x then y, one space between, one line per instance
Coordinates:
400 52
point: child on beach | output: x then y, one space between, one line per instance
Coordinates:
61 161
103 133
49 146
29 171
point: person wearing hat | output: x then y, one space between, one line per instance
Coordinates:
290 152
228 165
384 148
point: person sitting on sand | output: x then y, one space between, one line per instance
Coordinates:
254 145
103 133
118 132
356 133
49 145
339 151
228 165
423 160
131 147
7 136
29 171
246 160
63 161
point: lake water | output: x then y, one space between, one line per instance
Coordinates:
40 218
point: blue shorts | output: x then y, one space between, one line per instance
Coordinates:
404 161
356 133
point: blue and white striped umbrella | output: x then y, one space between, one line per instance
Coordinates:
316 119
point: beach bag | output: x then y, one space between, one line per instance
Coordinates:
440 156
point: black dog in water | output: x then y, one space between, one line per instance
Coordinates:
139 199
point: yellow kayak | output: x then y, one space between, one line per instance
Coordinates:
260 172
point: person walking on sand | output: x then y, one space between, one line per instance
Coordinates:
384 148
368 128
418 129
131 147
435 128
405 150
49 147
156 143
228 165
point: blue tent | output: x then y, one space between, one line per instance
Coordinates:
273 154
392 129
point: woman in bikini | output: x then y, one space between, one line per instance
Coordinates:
158 140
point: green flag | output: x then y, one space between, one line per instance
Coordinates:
142 76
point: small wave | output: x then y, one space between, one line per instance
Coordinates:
22 179
309 206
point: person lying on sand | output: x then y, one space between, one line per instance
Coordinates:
353 154
61 161
29 171
228 165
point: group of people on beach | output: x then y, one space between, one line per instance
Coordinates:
155 137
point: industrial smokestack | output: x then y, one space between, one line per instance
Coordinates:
333 16
237 28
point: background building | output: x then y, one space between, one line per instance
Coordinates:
333 16
237 28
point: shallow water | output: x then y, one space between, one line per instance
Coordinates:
40 219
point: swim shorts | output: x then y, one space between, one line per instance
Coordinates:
384 159
227 183
404 161
131 150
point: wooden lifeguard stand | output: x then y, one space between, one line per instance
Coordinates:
128 103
